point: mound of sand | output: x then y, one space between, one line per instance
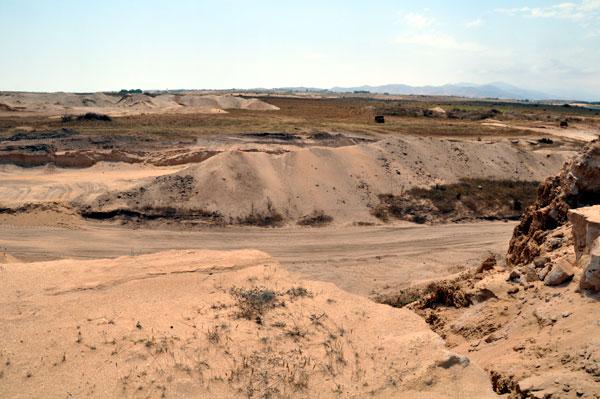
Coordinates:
344 183
223 102
113 104
49 184
212 324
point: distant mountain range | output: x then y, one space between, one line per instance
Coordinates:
491 90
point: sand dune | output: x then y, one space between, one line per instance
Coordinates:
343 182
217 325
119 105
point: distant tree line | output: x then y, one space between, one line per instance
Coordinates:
132 91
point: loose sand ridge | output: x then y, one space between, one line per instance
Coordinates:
218 324
121 105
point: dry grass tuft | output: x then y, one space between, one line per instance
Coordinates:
254 302
315 219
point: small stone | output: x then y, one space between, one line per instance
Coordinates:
514 276
530 274
541 261
537 387
453 360
487 264
554 243
542 318
543 272
561 272
493 337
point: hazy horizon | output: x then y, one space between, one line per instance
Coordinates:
72 46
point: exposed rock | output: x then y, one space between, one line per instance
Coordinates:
482 295
561 272
586 228
542 273
537 387
530 273
514 276
577 185
487 264
586 233
554 243
590 279
453 360
540 261
543 318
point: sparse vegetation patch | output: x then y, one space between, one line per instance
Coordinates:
253 303
316 219
465 200
268 218
88 116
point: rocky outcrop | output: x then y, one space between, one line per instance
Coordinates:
586 234
559 273
577 185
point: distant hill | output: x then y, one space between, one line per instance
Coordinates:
491 90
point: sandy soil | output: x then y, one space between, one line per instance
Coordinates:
217 325
51 184
359 259
146 304
582 134
274 177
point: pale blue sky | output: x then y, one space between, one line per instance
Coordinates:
77 45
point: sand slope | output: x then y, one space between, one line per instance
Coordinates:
91 329
343 182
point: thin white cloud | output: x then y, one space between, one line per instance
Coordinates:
585 13
439 41
476 23
417 21
585 10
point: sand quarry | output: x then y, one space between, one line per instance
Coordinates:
282 258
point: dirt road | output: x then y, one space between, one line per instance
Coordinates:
357 259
